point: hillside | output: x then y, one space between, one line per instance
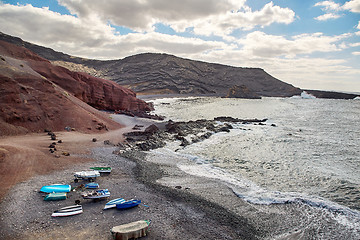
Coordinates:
36 95
153 74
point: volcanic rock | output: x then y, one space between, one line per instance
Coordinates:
242 92
35 95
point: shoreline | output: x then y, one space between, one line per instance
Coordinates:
173 212
180 205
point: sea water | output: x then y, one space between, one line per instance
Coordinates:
308 152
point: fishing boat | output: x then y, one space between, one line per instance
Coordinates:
131 230
68 211
128 204
112 203
55 196
97 194
92 185
56 188
86 175
102 169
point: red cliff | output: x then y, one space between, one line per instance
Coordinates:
34 94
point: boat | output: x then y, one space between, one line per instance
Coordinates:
55 196
86 175
102 169
92 185
97 194
131 230
112 203
128 204
68 211
55 188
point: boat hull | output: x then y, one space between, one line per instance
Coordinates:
56 188
55 197
112 203
131 230
68 211
128 204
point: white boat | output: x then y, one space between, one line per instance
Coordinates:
97 194
112 203
68 211
89 175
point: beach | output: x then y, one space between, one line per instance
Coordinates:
176 211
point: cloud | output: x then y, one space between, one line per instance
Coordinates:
205 17
356 53
352 6
327 16
141 15
263 45
90 37
331 8
328 6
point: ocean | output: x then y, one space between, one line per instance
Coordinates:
308 153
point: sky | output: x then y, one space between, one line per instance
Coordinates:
310 44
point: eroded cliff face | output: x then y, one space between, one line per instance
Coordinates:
34 95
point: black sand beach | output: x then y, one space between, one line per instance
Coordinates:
180 206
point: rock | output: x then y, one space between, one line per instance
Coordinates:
94 140
151 129
137 127
60 141
242 91
107 142
66 153
53 137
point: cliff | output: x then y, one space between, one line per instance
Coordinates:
34 95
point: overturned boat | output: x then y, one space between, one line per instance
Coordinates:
68 211
128 204
55 196
112 203
56 188
131 230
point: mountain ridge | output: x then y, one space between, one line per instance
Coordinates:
161 73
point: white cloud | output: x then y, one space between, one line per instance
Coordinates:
246 19
355 44
140 15
264 45
206 17
91 37
356 53
331 8
327 16
352 6
328 6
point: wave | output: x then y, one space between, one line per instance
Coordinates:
254 194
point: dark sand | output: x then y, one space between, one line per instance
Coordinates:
175 213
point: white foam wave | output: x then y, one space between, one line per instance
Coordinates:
304 95
252 193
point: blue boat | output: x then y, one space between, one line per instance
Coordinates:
128 204
92 185
56 188
112 203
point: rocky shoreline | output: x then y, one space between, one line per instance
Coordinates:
156 135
